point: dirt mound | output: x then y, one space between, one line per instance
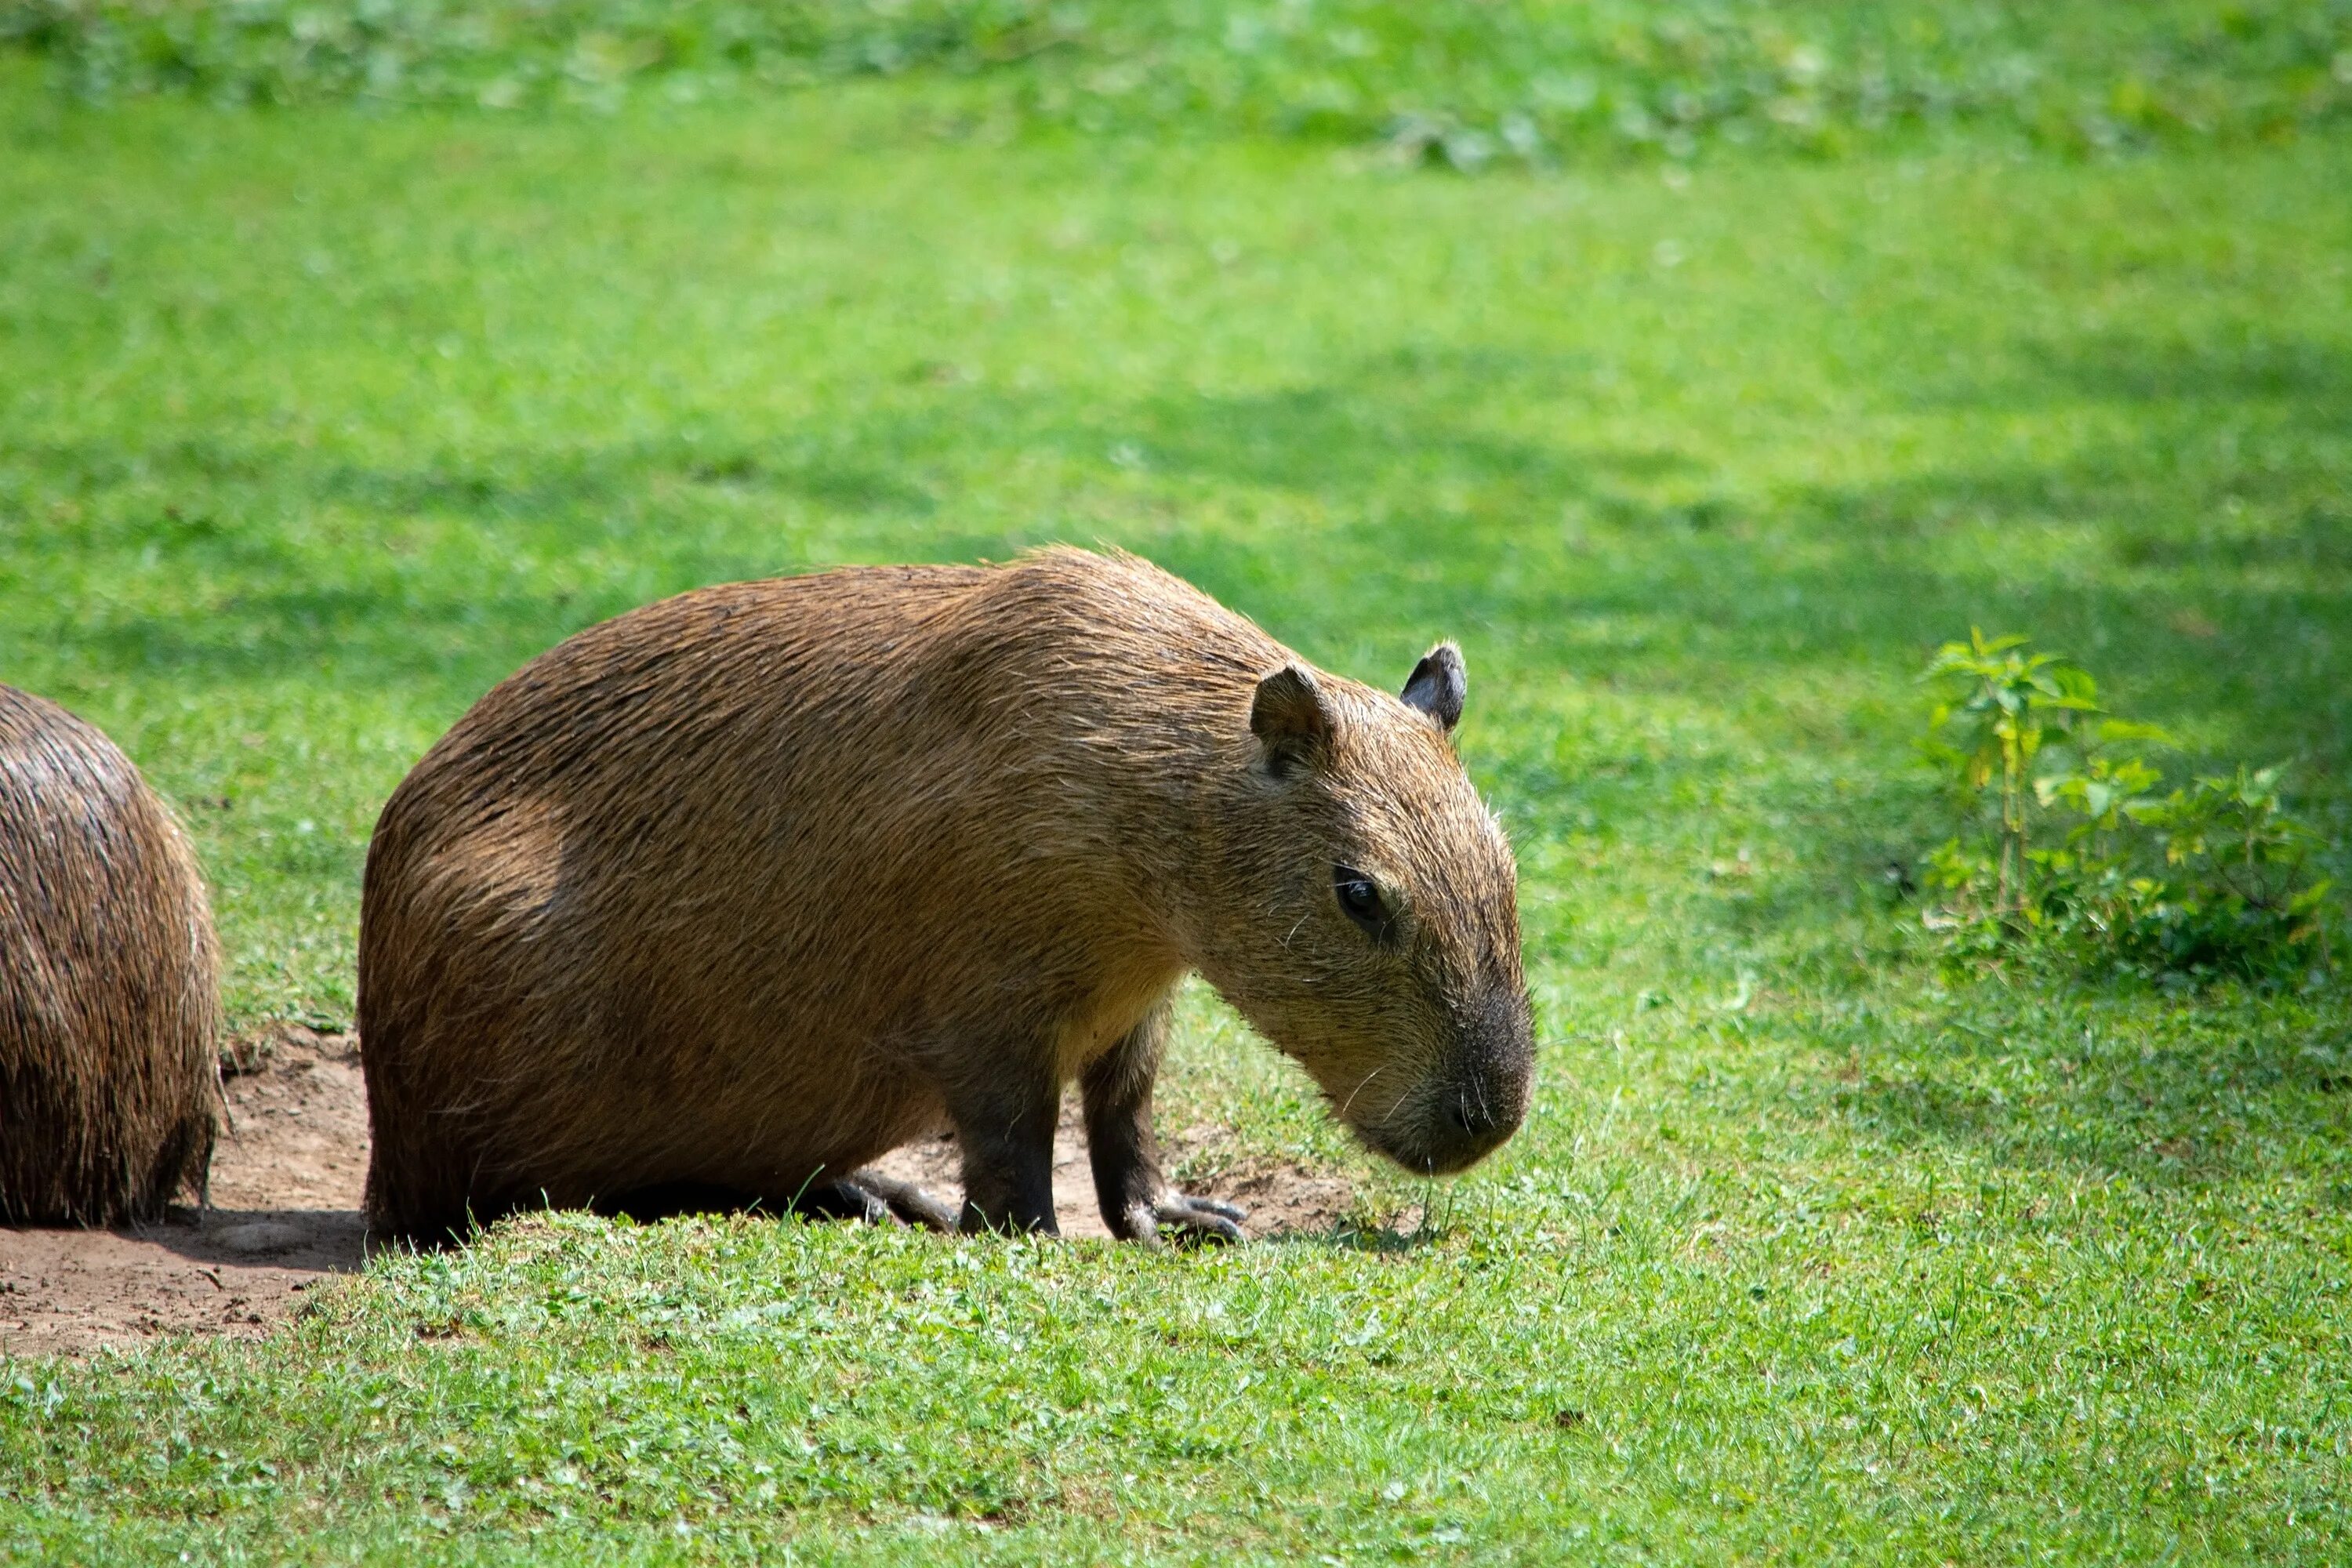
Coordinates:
286 1184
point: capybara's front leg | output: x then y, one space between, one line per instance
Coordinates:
1137 1200
1007 1131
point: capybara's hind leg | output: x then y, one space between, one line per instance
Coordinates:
876 1199
433 1212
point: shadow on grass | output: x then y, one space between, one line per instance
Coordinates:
1430 515
1384 504
2198 1090
2232 363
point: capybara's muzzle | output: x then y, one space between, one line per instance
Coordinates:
1451 1129
1467 1110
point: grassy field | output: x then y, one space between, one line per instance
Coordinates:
313 423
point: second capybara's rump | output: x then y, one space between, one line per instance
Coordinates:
110 982
744 889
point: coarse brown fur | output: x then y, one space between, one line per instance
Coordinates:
110 983
742 889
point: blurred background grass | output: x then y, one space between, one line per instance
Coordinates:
1466 82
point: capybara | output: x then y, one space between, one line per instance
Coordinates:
741 891
110 983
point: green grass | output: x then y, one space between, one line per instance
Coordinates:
314 424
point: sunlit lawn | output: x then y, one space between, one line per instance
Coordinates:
312 425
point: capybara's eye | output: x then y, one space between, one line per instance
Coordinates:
1360 896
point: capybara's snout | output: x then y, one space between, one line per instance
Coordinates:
1471 1103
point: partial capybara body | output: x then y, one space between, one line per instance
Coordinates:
741 891
110 983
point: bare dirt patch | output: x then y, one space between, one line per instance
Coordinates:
286 1185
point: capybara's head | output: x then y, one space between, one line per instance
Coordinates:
1370 922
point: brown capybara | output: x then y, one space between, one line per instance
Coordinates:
110 983
739 891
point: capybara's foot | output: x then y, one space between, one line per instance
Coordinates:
1185 1220
879 1199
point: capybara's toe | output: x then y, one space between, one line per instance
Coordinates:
1193 1221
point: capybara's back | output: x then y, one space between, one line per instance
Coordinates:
739 891
109 997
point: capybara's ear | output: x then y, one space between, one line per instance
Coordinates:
1438 684
1292 718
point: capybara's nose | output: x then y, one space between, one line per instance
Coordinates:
1471 1124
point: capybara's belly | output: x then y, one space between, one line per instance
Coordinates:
765 1127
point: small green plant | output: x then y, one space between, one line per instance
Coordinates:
2008 704
2085 852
